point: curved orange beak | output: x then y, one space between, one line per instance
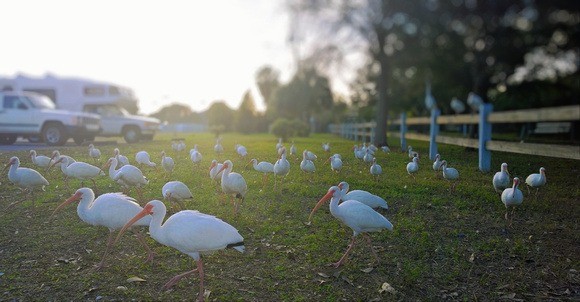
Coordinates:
213 164
223 168
324 199
76 197
147 210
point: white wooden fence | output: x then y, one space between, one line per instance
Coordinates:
485 119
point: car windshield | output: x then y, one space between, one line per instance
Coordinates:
41 101
109 110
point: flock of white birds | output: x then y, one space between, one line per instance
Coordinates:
194 233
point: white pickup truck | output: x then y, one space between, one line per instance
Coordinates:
33 116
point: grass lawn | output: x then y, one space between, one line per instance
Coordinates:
444 245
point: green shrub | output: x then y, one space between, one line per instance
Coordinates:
286 129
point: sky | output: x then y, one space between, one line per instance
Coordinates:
189 52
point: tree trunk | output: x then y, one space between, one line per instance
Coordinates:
382 108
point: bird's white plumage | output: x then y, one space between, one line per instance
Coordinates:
376 169
143 158
24 178
263 167
282 165
56 156
293 149
335 163
412 153
241 150
127 175
167 162
176 189
365 197
368 157
232 182
537 180
437 163
457 105
214 170
195 155
449 173
413 166
474 101
512 196
501 179
218 148
94 153
40 160
79 170
326 147
306 165
121 159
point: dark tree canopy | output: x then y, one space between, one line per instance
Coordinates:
219 114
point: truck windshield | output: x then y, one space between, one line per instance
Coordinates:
41 101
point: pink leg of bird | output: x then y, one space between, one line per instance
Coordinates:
109 244
150 253
350 246
174 280
369 241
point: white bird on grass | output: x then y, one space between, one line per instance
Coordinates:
79 170
413 167
450 174
411 152
195 155
281 167
512 197
190 232
143 158
241 150
121 159
307 165
262 167
501 179
128 176
111 210
326 147
176 191
437 164
24 178
335 163
94 153
233 184
376 170
536 180
218 148
365 197
40 160
167 163
356 215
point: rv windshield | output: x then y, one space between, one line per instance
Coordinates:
41 102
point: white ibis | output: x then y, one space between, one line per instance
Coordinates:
128 175
176 191
195 155
190 232
241 150
335 163
167 163
293 150
358 152
373 148
218 148
143 158
306 165
365 197
450 174
309 155
121 159
376 170
326 147
437 163
536 180
457 105
411 152
368 157
413 167
281 167
214 169
385 149
356 215
56 156
233 184
111 210
180 146
501 179
279 144
262 167
512 197
94 153
40 160
79 170
24 178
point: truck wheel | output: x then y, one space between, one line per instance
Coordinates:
8 139
132 135
54 135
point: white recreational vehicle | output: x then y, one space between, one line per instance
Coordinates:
112 102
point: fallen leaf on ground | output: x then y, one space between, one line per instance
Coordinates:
386 287
135 279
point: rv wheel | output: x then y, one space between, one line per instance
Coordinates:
54 135
132 135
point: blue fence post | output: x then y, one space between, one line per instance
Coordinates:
403 128
433 132
484 137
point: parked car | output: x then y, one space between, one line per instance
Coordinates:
33 116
